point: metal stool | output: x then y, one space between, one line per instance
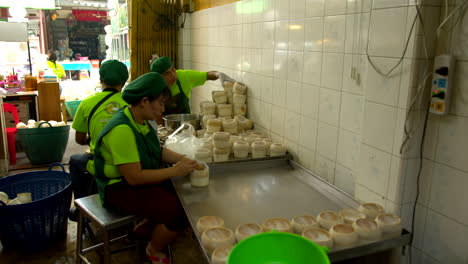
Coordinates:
90 207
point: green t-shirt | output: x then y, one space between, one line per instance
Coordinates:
188 79
100 118
119 147
57 69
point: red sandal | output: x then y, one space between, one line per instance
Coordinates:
160 260
157 259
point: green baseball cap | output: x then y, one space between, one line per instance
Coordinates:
113 72
148 84
161 65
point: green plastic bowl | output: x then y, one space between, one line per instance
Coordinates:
278 248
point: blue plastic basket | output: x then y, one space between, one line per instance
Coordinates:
34 226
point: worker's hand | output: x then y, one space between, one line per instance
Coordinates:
185 166
224 78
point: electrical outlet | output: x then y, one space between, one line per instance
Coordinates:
441 86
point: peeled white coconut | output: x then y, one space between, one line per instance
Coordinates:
216 237
224 110
206 222
201 106
221 139
61 123
367 229
389 224
244 231
243 123
4 197
278 224
239 88
220 255
277 149
221 154
24 197
207 117
219 97
214 125
328 219
204 155
300 223
371 210
240 149
31 125
21 125
319 236
201 176
344 235
207 143
351 215
258 149
230 125
268 143
53 123
31 121
201 133
41 122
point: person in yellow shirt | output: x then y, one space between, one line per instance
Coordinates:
92 115
181 82
128 165
56 67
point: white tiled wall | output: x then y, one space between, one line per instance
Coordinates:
298 56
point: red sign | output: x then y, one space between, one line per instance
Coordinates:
89 15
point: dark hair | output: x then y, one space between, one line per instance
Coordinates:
52 56
165 93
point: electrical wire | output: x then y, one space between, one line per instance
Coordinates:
371 62
427 73
353 70
418 179
358 81
457 8
446 9
410 134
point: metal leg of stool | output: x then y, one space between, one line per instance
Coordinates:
137 245
106 244
79 237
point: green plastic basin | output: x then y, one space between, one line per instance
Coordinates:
44 145
278 248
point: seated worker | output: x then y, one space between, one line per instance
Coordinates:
92 115
181 83
56 67
127 165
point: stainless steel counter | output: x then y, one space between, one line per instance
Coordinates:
258 190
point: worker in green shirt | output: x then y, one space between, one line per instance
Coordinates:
127 165
181 83
56 67
92 115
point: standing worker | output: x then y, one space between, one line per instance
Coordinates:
92 115
56 67
181 83
127 165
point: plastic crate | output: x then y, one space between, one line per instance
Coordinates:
72 106
33 227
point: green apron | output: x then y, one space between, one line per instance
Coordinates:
149 151
178 104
